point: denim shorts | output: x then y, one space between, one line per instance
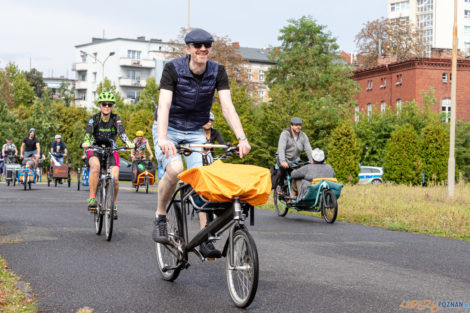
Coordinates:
176 137
28 154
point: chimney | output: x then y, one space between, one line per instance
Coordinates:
236 44
141 38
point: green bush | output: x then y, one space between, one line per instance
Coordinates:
434 152
344 153
402 162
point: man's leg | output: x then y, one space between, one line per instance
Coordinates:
93 180
166 187
36 160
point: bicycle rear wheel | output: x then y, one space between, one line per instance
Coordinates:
242 278
78 179
109 209
167 255
98 215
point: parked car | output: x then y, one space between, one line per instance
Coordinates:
125 170
370 175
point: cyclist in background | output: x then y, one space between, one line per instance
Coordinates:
59 149
141 144
102 129
30 147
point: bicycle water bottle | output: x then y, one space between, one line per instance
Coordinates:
161 171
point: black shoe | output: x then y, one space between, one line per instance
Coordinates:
160 233
61 182
208 250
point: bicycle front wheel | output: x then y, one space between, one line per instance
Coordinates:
109 209
242 277
98 215
167 255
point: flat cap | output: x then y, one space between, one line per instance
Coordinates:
295 120
198 35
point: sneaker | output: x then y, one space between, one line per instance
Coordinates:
160 232
92 204
208 250
115 212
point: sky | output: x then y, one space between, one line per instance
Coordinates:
44 33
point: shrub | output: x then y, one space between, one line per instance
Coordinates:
344 153
435 152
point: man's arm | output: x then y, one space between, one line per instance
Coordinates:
164 103
281 147
231 116
38 147
22 148
121 131
88 133
149 150
299 173
308 148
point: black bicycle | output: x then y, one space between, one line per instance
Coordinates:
242 268
105 192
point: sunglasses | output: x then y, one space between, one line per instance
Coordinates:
107 104
198 45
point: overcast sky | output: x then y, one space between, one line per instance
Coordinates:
46 31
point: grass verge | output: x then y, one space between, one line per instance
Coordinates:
12 299
416 209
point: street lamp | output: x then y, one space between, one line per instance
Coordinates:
96 59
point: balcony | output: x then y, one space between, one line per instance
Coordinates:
129 82
80 66
137 63
81 84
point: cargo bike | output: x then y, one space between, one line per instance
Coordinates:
227 193
143 174
27 174
10 169
58 171
321 196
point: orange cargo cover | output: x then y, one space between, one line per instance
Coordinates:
224 181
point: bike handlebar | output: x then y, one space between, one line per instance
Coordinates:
187 149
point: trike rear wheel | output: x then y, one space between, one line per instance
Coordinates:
280 205
329 206
167 254
242 278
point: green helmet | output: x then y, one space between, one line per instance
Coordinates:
106 97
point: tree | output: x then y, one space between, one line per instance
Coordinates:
306 62
402 161
462 149
20 90
388 37
435 152
35 79
344 154
66 93
6 95
149 95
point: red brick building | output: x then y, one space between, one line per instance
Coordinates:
385 87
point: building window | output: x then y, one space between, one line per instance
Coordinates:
446 105
133 54
82 77
427 36
398 105
383 83
369 109
94 77
261 94
466 13
83 58
399 6
261 75
444 78
466 31
399 80
133 94
466 47
94 95
425 20
134 75
356 113
424 5
383 106
248 74
467 1
370 84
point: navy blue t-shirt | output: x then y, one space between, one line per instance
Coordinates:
58 148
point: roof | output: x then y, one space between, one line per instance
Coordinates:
256 55
95 41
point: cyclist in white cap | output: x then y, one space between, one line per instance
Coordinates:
59 149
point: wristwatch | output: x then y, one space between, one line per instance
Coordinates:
242 138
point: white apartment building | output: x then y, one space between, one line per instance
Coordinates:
126 62
129 62
436 18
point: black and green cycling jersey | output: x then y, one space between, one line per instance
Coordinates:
102 132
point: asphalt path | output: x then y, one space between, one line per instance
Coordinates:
47 238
